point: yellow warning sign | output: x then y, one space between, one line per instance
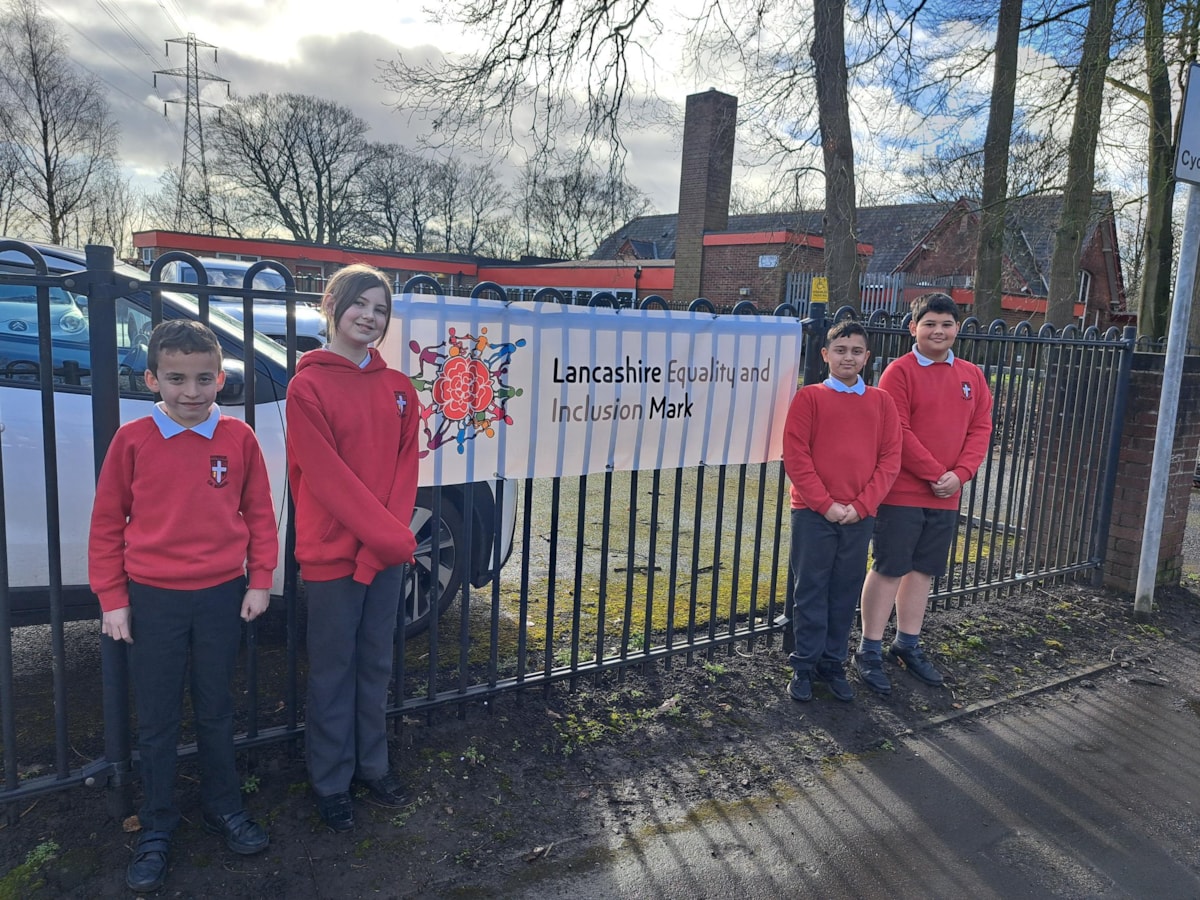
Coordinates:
820 290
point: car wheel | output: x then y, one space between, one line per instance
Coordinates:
416 600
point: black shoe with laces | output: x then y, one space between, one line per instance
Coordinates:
833 676
913 659
336 811
387 791
870 670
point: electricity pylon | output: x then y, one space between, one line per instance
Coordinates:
193 128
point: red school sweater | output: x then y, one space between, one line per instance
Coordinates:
946 413
352 439
841 447
182 513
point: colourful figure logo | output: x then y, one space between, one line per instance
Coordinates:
464 378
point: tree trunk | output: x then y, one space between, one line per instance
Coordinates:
829 60
1081 165
989 253
1158 242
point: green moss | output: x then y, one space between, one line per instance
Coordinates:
23 880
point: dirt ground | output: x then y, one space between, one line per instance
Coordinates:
507 794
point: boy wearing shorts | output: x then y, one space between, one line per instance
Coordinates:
841 451
945 410
181 551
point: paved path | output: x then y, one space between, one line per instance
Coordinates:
1089 791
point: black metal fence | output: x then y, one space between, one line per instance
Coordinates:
605 572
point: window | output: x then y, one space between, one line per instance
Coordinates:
1085 287
20 350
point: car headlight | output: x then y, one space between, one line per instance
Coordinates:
72 323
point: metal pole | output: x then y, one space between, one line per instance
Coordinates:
106 419
1168 407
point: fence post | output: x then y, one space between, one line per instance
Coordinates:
1120 402
815 327
103 290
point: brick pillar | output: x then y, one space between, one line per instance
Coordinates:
706 174
1133 474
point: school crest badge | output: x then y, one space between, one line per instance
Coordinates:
218 471
401 402
966 391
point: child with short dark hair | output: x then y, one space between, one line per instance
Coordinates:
841 450
945 410
181 551
352 464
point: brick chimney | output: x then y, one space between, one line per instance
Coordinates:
706 174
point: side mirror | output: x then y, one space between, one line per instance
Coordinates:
234 391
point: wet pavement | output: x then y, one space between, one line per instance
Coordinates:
1091 790
1088 789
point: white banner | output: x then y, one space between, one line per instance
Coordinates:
513 390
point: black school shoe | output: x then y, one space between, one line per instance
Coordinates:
336 811
242 834
801 685
833 676
870 670
148 869
914 661
387 791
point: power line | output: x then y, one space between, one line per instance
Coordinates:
86 37
125 29
170 18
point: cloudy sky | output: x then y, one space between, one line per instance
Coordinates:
328 49
333 49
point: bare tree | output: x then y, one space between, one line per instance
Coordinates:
10 168
565 66
571 207
226 210
483 200
837 146
1081 164
500 237
1036 165
989 251
53 118
447 190
111 215
300 158
417 197
1155 98
383 194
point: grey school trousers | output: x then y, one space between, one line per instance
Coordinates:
351 635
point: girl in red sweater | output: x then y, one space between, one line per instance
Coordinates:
352 466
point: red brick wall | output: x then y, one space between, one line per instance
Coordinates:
728 268
1133 477
706 173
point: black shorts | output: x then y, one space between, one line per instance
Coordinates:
913 539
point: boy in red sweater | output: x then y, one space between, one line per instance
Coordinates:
945 410
181 551
841 450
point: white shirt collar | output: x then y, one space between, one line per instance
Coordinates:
924 360
860 387
168 427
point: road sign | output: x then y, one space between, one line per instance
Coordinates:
820 290
1187 156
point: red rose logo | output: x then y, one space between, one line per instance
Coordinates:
463 387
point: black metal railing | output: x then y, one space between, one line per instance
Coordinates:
607 571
